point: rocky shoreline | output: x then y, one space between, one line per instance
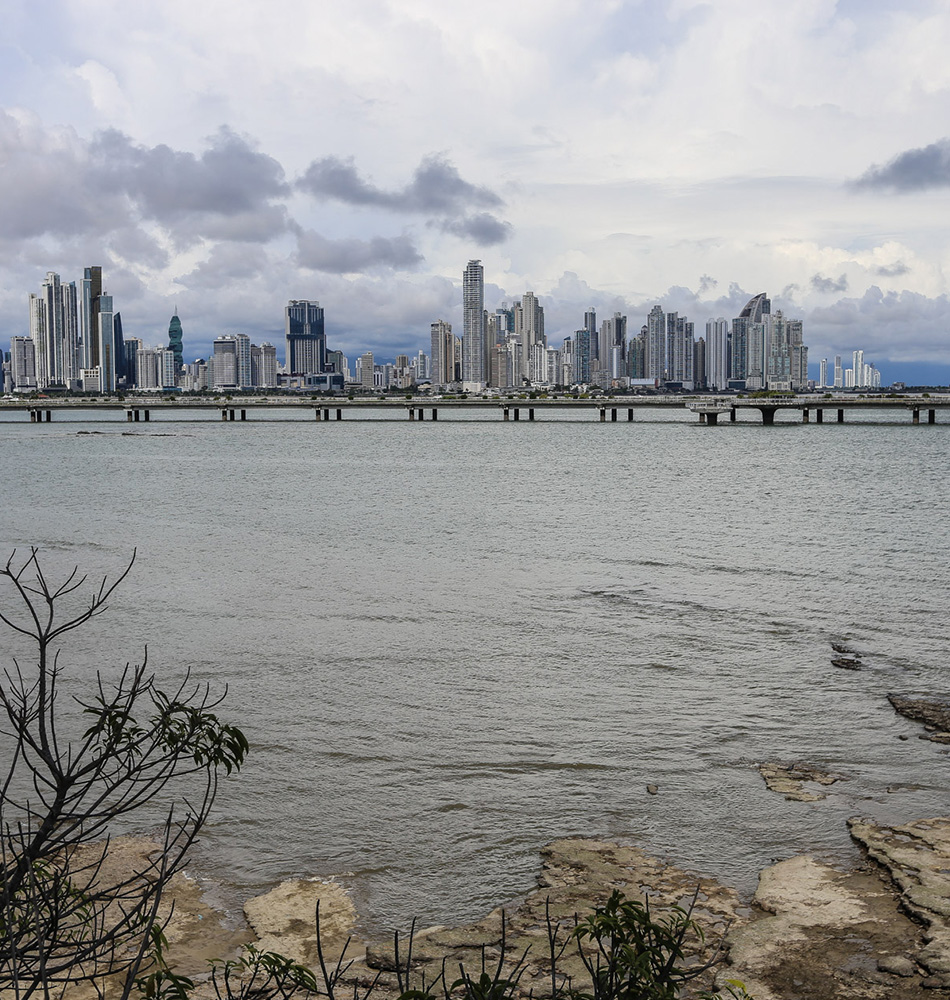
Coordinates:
812 932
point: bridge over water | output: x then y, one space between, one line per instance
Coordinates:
708 409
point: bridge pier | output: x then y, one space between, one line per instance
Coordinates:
711 418
505 414
702 418
805 417
326 413
422 413
768 415
840 416
224 414
732 415
916 417
316 413
603 414
819 415
339 414
613 414
931 416
412 412
128 416
244 414
630 415
517 413
435 413
531 413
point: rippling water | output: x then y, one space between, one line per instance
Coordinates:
452 642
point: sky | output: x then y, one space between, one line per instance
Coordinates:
220 159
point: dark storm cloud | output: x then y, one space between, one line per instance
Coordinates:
913 170
230 178
827 285
436 190
58 184
483 229
349 256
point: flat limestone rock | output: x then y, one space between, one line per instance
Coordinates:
789 779
824 934
917 858
284 920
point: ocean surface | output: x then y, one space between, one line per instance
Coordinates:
450 643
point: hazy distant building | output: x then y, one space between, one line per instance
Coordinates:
367 370
717 354
305 336
89 329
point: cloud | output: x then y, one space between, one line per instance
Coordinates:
349 256
482 229
706 284
919 169
827 285
894 270
436 190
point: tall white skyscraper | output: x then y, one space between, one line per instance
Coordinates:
473 326
443 353
106 344
823 374
54 330
717 353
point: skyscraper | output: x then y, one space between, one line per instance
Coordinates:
106 345
473 326
306 339
717 354
91 290
655 360
54 329
174 339
443 352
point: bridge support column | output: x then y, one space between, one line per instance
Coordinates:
49 415
916 412
316 413
805 415
702 418
603 414
137 414
435 413
768 415
326 413
339 414
711 418
244 414
613 414
517 413
224 414
146 414
422 413
732 415
231 415
412 413
840 416
931 416
128 416
531 413
504 412
32 416
630 415
819 415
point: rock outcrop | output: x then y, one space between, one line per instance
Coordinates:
789 779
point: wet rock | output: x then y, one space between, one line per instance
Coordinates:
284 919
652 789
930 711
917 858
839 647
846 663
897 965
788 780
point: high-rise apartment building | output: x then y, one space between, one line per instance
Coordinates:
106 364
367 370
474 373
442 345
23 364
306 338
655 360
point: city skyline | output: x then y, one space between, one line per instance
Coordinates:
618 155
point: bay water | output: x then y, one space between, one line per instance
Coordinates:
450 643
